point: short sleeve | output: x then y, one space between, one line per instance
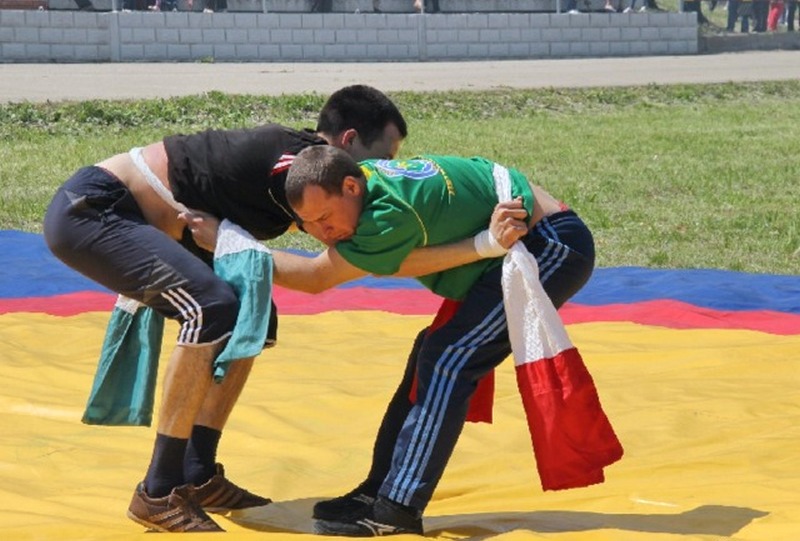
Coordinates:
384 238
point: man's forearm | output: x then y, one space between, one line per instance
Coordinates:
296 272
312 274
422 261
506 226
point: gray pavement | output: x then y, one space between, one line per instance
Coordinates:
55 82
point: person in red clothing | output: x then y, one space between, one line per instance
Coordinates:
776 8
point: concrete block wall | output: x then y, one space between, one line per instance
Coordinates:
362 6
69 36
51 36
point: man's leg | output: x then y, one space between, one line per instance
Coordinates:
733 14
454 357
396 412
220 399
163 502
213 491
564 250
186 383
450 362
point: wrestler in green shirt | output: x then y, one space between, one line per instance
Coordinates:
370 216
405 197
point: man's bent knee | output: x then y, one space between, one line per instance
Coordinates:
209 323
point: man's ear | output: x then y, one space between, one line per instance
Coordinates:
347 137
351 186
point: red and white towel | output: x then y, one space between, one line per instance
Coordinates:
572 438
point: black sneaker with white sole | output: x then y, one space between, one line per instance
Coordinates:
383 517
354 502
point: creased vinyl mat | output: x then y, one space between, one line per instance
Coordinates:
709 420
697 370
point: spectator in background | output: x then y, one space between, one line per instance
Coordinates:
760 13
791 8
632 7
744 9
321 6
689 6
164 5
430 6
211 6
776 8
572 6
218 6
135 5
733 14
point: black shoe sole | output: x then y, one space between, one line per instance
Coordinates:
330 527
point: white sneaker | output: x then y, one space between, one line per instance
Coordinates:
627 10
573 12
643 9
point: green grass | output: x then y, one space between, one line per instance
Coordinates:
666 176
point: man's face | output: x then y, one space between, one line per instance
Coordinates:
331 218
385 147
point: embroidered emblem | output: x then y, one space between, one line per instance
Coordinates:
411 169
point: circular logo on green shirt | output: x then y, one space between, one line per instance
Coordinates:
412 169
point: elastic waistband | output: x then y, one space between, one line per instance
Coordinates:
137 156
560 214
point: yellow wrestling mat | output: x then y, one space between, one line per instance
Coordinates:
710 422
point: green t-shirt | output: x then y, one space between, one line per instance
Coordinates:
426 201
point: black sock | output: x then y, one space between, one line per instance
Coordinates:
200 461
166 466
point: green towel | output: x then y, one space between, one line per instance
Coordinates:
125 381
246 265
124 385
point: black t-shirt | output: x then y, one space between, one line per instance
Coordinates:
238 174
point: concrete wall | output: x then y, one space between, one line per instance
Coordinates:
70 36
362 6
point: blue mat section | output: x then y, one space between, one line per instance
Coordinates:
708 288
30 270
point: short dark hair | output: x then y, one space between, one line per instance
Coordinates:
363 108
319 165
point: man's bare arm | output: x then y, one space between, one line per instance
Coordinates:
313 274
329 269
422 261
507 226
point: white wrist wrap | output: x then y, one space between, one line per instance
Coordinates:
488 246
